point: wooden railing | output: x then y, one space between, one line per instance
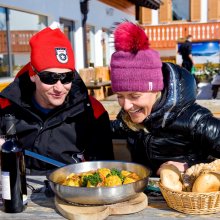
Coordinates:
160 36
19 41
166 36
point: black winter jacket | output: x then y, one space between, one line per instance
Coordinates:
80 126
179 128
185 50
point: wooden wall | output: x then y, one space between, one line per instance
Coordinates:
123 5
165 12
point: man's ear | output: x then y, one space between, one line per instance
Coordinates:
33 78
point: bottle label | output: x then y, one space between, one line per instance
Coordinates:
6 190
25 199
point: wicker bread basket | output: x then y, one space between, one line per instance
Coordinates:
192 202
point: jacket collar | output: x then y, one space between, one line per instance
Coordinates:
178 93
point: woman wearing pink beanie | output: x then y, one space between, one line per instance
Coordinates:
159 115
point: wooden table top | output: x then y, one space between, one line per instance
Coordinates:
42 207
98 85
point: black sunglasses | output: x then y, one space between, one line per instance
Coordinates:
51 78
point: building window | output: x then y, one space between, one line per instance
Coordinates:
90 31
22 27
4 67
68 27
14 43
180 10
105 43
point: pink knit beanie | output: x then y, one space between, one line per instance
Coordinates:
134 66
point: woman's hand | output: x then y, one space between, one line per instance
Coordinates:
182 167
2 141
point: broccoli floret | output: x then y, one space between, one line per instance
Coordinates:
93 179
116 172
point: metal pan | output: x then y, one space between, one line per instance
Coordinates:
98 195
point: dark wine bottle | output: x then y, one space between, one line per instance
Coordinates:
13 176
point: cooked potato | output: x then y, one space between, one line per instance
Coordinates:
134 176
128 180
104 171
125 173
72 180
113 181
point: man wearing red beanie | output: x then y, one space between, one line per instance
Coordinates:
55 116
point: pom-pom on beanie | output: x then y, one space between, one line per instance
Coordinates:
134 66
50 48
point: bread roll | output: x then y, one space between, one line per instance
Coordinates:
192 173
170 177
207 182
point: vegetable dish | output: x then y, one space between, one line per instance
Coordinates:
102 177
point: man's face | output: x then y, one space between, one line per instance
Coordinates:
190 39
51 96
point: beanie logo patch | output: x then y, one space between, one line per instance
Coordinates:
61 54
150 86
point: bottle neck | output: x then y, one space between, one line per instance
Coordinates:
10 129
10 125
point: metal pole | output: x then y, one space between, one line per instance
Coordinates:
84 10
8 36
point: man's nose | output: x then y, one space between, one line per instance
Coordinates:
58 85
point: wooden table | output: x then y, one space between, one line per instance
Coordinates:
42 207
98 85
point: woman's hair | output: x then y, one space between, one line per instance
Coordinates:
134 126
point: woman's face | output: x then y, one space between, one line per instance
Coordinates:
137 104
51 96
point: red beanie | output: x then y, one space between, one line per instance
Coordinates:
50 48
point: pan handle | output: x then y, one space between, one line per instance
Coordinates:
44 159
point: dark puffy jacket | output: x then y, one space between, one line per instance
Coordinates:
179 128
80 126
186 49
